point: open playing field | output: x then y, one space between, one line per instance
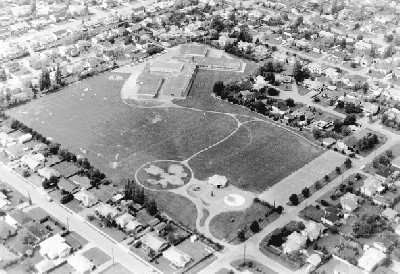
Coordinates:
256 157
91 115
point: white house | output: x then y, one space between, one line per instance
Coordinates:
80 264
371 258
54 247
294 242
177 257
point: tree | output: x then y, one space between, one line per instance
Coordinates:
33 6
365 87
217 24
279 209
348 163
46 184
298 74
254 227
151 207
337 124
241 234
3 75
388 52
244 35
337 169
306 192
350 119
26 174
66 198
368 225
294 199
373 53
58 75
389 153
270 77
343 43
290 102
218 88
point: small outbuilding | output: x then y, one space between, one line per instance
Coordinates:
218 181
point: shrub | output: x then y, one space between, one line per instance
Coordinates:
294 199
26 174
337 169
326 177
318 185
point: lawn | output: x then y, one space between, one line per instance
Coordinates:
96 256
91 115
252 266
116 268
200 93
256 157
179 208
226 225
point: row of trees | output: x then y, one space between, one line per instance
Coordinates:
95 176
136 193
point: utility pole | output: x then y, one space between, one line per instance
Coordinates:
112 252
244 253
67 224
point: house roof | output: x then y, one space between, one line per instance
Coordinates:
342 267
124 219
132 225
82 181
106 209
20 217
350 141
6 230
153 241
44 266
389 213
349 200
47 172
371 258
67 185
38 214
86 197
177 257
314 259
66 169
80 263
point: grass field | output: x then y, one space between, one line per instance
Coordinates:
258 156
91 115
201 90
179 208
222 227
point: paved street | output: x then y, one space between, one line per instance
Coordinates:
76 224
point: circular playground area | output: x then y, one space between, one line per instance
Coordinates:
162 175
234 200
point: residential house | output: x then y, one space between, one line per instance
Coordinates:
152 241
105 210
361 45
371 186
67 186
55 247
177 257
17 219
134 226
66 169
370 108
313 85
343 267
349 202
390 214
295 242
328 142
124 219
60 33
313 230
81 264
330 219
370 259
27 161
86 198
